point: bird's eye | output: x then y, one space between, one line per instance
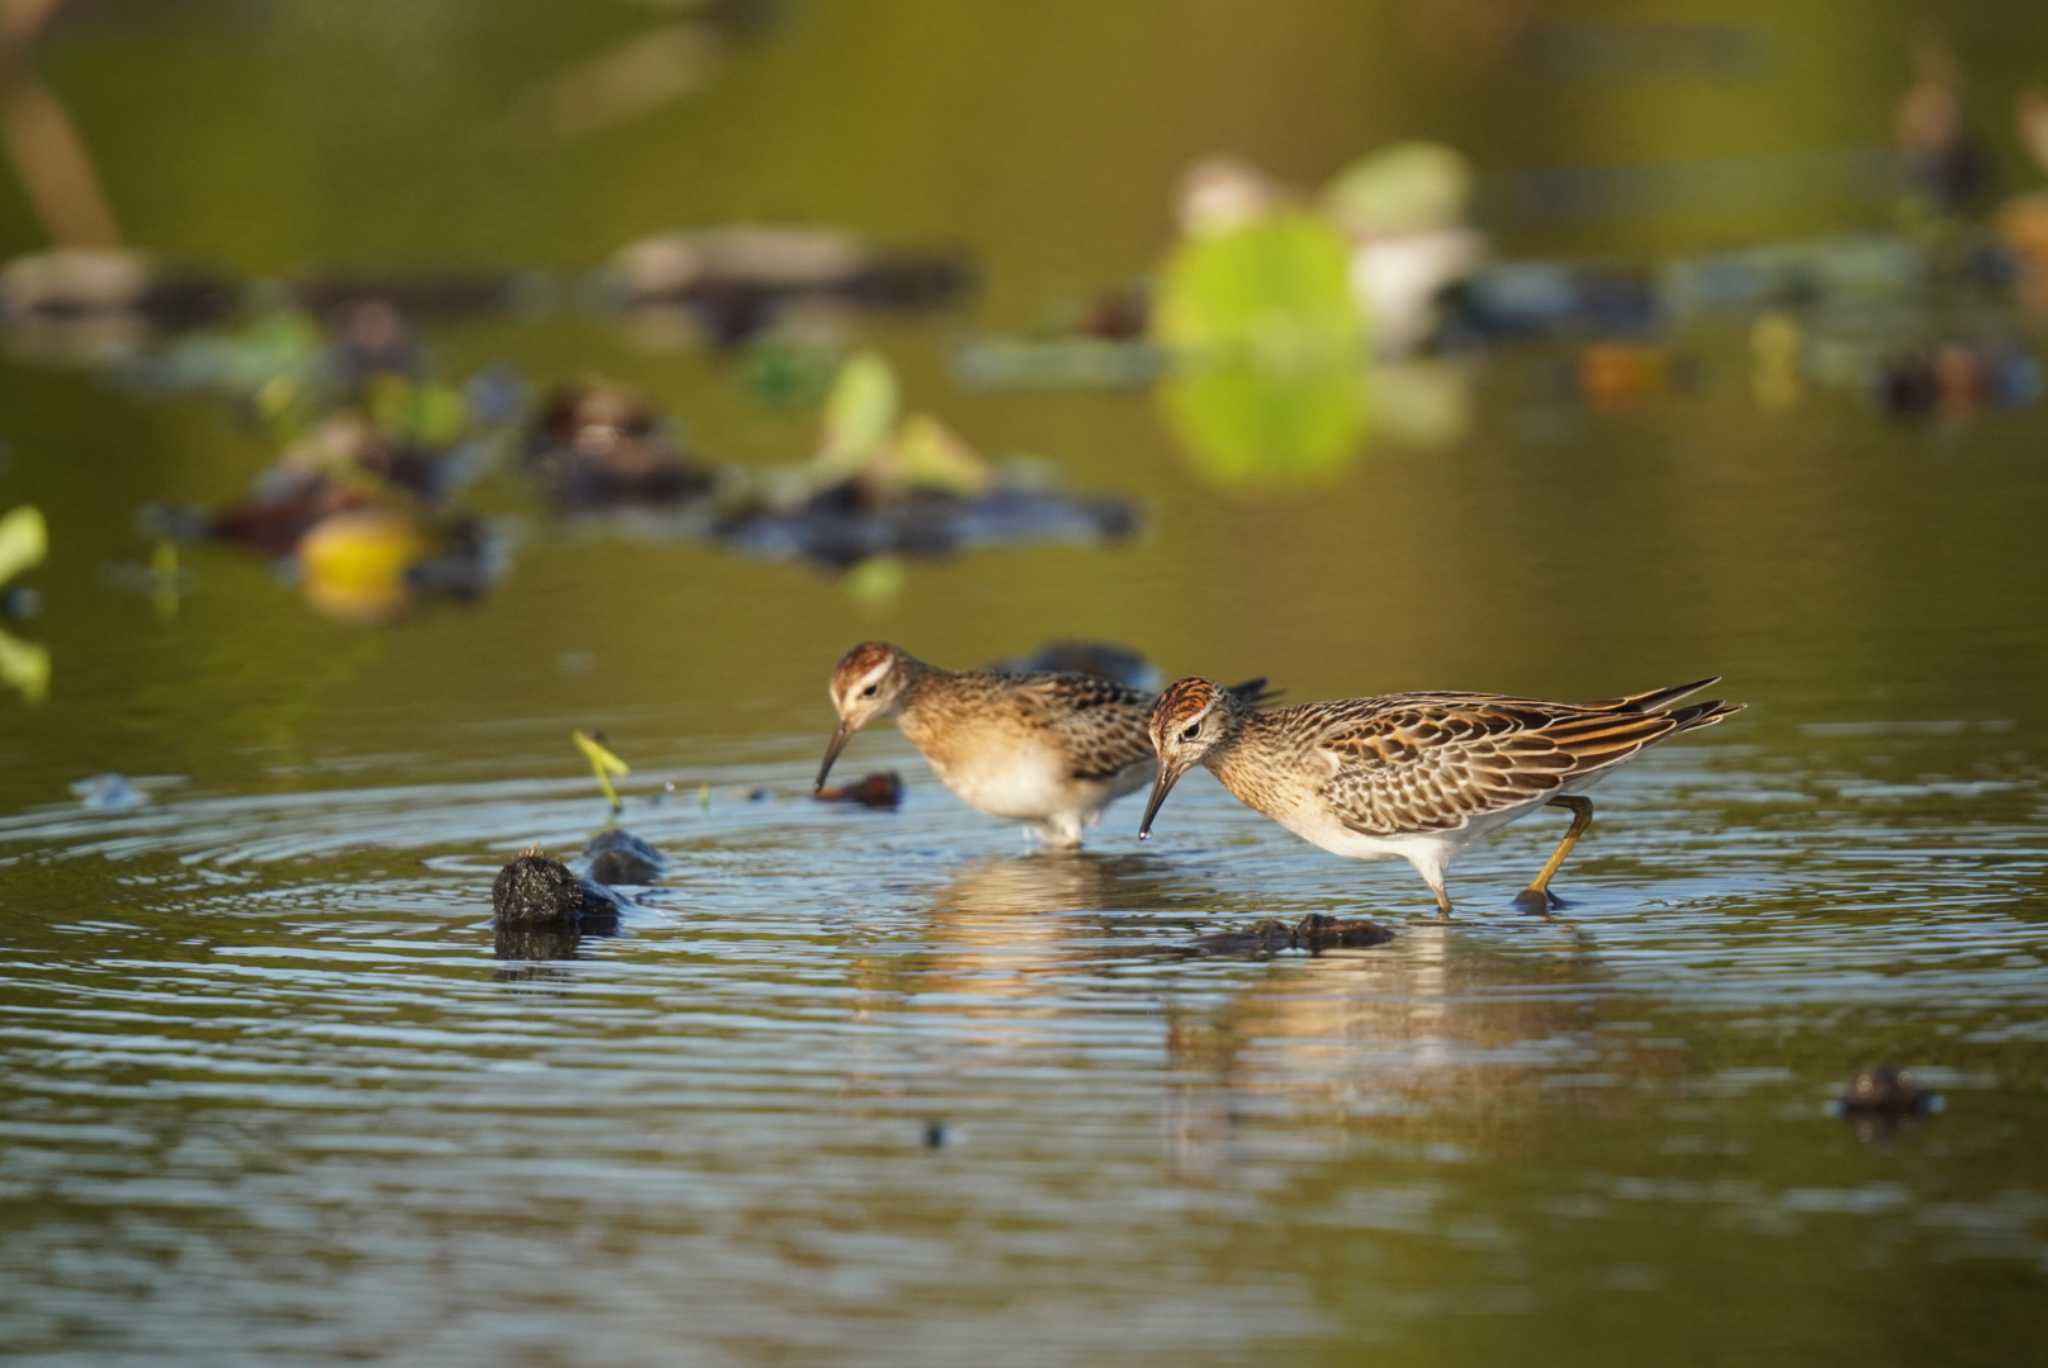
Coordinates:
869 691
1192 732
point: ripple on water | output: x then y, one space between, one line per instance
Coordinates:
265 1072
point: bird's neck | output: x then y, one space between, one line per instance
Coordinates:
1234 760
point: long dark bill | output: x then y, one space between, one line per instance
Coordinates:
1161 786
840 734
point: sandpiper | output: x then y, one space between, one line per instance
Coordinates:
1419 775
1049 749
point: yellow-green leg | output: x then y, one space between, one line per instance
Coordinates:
1536 897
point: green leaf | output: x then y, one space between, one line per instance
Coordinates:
860 411
929 455
24 541
1269 351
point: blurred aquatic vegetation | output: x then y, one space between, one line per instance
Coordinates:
725 286
674 58
1269 349
1947 168
596 446
374 564
48 152
2021 222
24 542
91 305
24 667
885 484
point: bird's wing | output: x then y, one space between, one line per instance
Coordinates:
1432 762
1101 723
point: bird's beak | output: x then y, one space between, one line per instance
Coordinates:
1161 786
840 734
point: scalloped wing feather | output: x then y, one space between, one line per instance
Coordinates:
1432 762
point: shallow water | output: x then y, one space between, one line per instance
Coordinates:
867 1085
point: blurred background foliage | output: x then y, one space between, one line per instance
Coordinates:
1531 541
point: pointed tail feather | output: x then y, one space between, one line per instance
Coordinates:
1696 715
1653 700
1253 692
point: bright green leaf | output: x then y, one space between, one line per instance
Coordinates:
24 541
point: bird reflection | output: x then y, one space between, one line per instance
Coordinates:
1441 1036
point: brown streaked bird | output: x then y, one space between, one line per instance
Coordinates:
1049 749
1419 775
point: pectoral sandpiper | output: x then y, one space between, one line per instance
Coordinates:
1419 775
1049 749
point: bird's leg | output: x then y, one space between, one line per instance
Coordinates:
1435 879
1536 897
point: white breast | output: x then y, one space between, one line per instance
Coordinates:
1024 783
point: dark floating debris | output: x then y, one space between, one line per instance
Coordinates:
937 1134
1314 933
1885 1092
844 524
1955 379
737 282
1880 1101
1103 659
880 790
537 889
597 446
617 856
91 303
885 484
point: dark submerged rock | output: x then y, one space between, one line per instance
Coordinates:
617 856
537 889
881 790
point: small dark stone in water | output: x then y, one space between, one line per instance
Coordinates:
618 856
1885 1092
937 1134
883 790
537 888
759 795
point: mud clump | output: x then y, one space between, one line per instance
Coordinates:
539 890
881 790
1314 933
